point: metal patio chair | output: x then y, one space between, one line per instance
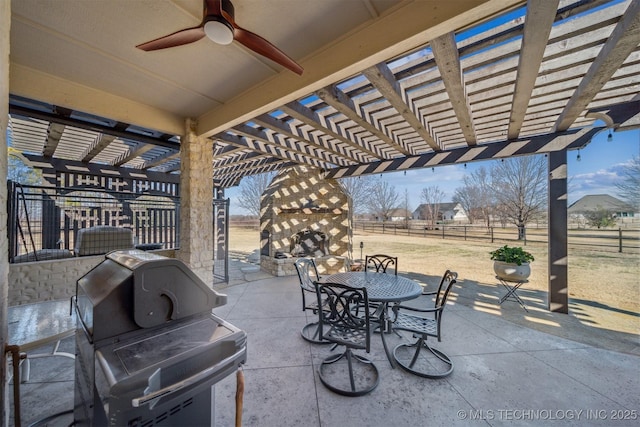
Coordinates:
308 274
346 322
379 263
424 323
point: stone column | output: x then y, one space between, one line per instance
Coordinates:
5 25
196 203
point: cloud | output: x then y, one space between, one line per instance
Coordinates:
602 181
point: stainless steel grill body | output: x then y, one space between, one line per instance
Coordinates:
149 349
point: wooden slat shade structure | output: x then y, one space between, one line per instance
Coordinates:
513 88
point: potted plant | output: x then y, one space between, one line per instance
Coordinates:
511 263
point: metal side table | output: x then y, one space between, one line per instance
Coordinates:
31 326
512 287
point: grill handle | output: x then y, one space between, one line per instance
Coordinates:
187 382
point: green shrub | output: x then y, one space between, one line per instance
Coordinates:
512 255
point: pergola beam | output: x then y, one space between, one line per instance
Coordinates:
270 149
447 58
132 153
160 160
311 118
101 142
262 136
269 122
68 121
624 39
537 27
54 133
49 164
337 99
569 140
385 82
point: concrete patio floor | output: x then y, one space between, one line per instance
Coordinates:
511 367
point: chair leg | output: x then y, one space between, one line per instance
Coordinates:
311 333
410 367
370 373
386 348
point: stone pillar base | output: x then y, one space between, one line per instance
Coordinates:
280 267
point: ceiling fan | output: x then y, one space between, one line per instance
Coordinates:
218 24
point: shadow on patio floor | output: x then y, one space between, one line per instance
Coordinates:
510 365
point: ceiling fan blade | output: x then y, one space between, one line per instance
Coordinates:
213 7
265 48
179 38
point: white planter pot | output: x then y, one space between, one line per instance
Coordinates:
513 272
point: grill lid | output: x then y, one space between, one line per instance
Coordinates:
164 288
133 289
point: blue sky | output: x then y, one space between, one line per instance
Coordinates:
597 171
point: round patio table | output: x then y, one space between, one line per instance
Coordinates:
383 288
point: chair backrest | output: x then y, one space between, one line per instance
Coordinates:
449 278
307 273
102 239
345 319
380 262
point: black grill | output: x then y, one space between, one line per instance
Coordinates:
149 348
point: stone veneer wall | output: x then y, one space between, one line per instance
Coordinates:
5 29
284 266
31 282
196 207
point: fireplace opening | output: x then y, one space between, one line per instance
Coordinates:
309 243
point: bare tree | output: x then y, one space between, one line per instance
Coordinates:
251 189
476 196
432 197
19 170
359 189
406 208
629 186
382 199
519 186
600 217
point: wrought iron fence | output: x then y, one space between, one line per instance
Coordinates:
221 240
44 222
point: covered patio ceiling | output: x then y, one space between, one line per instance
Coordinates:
387 85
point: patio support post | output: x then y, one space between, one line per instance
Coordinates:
5 26
558 299
196 207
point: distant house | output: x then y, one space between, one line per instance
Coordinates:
602 201
399 214
446 212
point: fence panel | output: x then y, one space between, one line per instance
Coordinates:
606 240
44 221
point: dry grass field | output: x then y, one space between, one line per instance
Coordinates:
608 279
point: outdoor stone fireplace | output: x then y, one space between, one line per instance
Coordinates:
302 214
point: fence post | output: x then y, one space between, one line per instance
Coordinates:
491 228
620 239
465 232
443 231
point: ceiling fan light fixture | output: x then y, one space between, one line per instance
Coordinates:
218 30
